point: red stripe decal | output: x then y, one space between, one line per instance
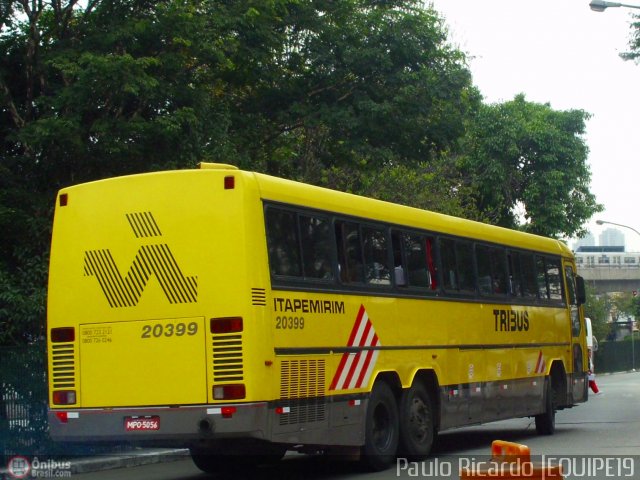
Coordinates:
367 361
345 355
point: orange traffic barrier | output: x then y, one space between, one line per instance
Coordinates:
512 461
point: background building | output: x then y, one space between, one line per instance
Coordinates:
612 237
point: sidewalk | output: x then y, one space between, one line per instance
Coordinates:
142 456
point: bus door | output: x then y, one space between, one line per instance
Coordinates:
574 300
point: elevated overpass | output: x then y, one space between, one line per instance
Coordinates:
610 271
610 279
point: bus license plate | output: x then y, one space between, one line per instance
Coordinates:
136 424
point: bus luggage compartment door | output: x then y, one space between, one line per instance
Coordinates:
143 363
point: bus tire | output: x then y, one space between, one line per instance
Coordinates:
417 429
382 429
546 421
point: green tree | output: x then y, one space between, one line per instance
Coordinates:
597 308
435 186
634 41
368 85
298 88
88 90
524 159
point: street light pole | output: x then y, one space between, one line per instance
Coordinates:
602 222
601 6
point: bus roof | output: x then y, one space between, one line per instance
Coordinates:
297 193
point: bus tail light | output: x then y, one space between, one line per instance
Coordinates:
227 412
63 334
229 392
226 325
62 416
64 397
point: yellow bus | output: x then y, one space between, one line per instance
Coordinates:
238 313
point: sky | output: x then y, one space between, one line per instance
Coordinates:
563 53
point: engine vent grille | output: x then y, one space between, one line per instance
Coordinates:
63 367
302 389
227 358
259 297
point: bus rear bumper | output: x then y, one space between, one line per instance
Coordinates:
151 424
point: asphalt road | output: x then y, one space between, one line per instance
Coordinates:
596 440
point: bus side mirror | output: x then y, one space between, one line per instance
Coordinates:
581 294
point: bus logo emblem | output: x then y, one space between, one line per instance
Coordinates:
355 369
150 260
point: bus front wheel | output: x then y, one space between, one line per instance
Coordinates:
382 429
546 421
417 431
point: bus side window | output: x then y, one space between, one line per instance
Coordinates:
414 260
282 242
376 256
529 278
554 278
483 259
349 252
515 274
418 271
431 263
464 262
448 259
399 269
457 265
571 286
316 247
492 277
541 276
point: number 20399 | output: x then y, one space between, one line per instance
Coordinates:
289 323
169 330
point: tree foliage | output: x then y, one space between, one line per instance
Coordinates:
526 159
597 308
634 41
363 95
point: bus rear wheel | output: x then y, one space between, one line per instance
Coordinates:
417 431
382 429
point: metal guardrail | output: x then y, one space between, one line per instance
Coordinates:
23 409
621 356
23 400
